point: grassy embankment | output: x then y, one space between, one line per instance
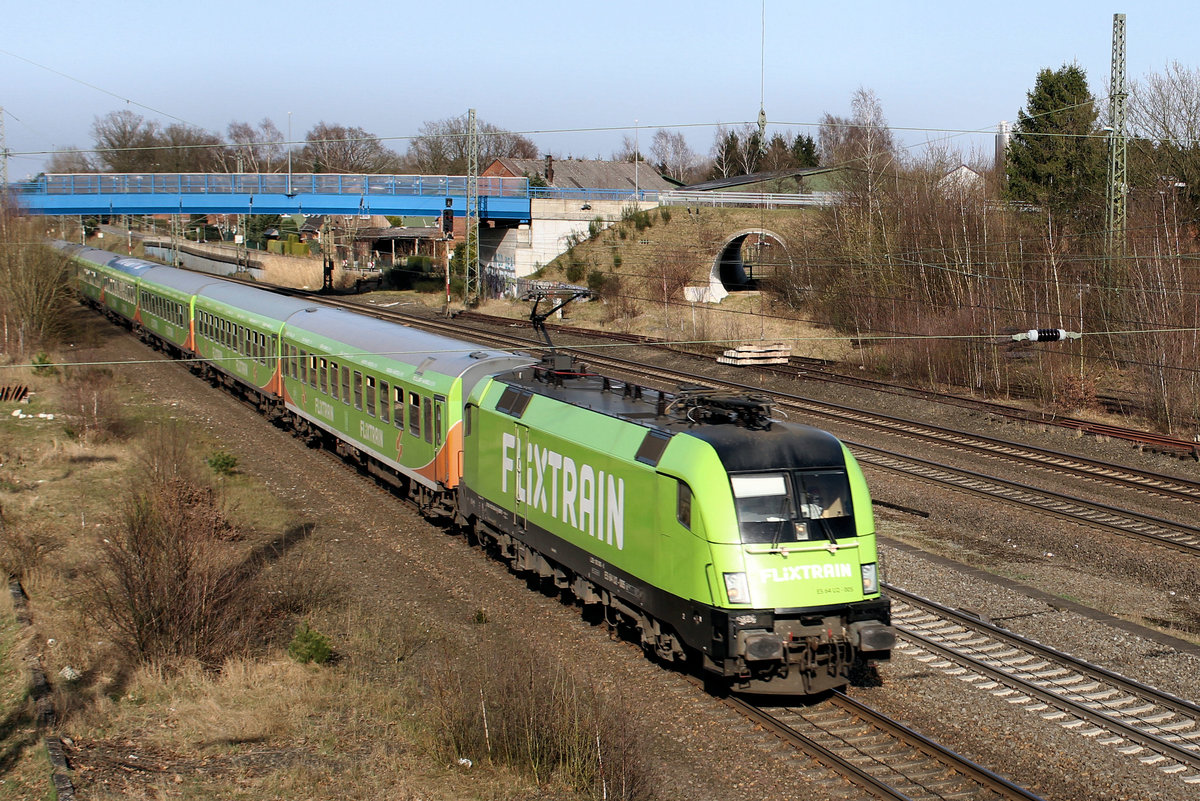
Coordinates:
390 715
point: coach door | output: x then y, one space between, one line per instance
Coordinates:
520 503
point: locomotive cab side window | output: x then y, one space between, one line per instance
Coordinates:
683 506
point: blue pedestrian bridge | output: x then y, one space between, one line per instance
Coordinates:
500 199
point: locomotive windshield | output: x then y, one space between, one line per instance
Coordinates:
793 506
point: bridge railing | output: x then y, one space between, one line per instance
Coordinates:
679 197
408 185
269 183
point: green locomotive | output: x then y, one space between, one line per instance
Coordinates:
695 519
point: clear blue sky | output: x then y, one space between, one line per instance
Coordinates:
541 66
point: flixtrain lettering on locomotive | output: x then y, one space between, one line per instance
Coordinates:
713 531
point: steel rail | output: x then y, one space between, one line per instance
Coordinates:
975 772
1158 531
1160 745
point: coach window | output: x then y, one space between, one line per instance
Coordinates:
358 390
439 403
333 380
683 506
414 414
398 407
312 371
371 395
428 419
385 403
345 385
303 367
324 374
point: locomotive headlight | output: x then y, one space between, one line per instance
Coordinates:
870 577
737 588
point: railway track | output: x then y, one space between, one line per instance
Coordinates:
878 754
823 369
1181 537
1175 535
1156 728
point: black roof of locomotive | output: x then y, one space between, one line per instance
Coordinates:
783 444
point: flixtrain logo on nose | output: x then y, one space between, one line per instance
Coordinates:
588 499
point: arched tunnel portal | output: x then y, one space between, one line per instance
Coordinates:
729 270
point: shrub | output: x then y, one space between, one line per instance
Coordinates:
309 645
222 463
575 272
664 214
169 583
596 280
534 718
43 365
91 403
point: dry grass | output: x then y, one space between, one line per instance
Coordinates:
250 727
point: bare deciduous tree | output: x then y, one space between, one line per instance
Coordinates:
671 153
724 153
630 150
186 148
254 148
125 142
441 146
69 160
1164 116
338 148
34 288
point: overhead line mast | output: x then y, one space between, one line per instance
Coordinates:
1117 175
474 277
